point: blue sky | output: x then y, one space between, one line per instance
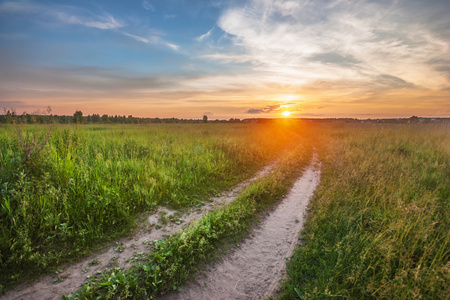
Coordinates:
171 58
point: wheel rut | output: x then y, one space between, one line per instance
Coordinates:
253 269
123 251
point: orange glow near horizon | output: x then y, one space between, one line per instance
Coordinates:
286 113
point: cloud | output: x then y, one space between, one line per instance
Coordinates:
172 46
393 82
63 13
169 16
334 58
5 105
300 42
104 21
229 58
139 38
152 39
80 16
255 111
204 36
146 5
265 110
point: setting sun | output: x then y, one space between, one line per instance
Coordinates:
286 113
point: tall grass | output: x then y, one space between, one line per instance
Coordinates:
65 189
174 260
379 223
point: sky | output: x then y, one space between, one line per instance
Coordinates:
226 58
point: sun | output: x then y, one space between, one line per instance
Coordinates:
286 113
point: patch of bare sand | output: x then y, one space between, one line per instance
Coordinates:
123 251
253 269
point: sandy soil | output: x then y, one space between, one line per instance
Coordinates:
252 270
72 277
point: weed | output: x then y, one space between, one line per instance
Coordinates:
163 219
113 262
94 262
120 247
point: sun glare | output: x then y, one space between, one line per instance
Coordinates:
286 113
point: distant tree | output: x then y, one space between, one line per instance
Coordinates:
30 119
105 119
205 119
10 115
48 113
64 119
78 117
96 118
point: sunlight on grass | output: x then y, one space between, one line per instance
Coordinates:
379 223
64 190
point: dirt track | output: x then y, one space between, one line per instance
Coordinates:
253 269
72 277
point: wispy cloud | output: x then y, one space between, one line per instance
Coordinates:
146 5
144 40
104 21
64 14
169 16
304 41
151 39
204 36
274 108
172 46
229 57
80 16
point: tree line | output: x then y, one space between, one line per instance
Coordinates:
10 116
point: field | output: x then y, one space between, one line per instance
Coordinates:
64 189
378 225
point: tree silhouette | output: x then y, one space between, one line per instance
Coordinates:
78 117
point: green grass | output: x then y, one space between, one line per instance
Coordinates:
379 222
378 226
64 190
174 260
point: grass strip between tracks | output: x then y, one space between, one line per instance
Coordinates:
173 260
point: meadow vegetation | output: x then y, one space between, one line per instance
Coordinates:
66 189
174 260
378 226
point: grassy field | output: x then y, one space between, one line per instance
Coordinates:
379 223
66 189
174 260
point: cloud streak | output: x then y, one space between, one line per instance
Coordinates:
204 36
104 22
79 16
153 40
64 14
146 5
